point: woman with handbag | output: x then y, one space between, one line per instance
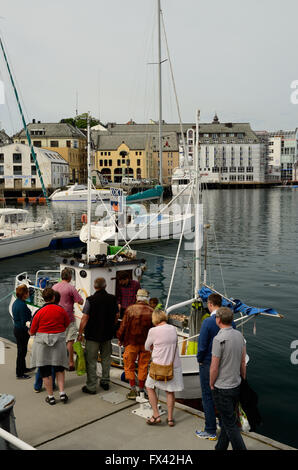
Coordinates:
165 370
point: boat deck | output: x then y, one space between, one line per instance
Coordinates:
90 422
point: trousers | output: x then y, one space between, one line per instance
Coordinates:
132 354
92 348
226 401
22 338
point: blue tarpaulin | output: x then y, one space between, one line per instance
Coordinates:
237 306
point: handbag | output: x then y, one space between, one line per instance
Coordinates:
162 373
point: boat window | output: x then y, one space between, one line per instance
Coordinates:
21 218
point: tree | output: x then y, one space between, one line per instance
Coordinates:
80 121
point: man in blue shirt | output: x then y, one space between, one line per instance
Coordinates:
209 330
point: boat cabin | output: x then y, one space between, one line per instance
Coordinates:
9 217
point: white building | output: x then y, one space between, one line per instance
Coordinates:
229 152
283 153
18 169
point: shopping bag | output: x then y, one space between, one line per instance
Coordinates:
80 363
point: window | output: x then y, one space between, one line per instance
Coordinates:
118 162
100 162
233 177
138 162
33 182
233 169
1 157
17 170
224 169
240 169
2 182
1 170
54 143
240 177
68 143
37 143
215 169
249 177
33 170
17 158
249 169
110 162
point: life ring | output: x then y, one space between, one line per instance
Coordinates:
84 218
83 291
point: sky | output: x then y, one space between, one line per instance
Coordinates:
235 57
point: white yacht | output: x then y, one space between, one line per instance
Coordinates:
138 226
18 235
79 193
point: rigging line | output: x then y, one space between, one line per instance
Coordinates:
156 216
176 96
178 250
220 266
114 222
14 76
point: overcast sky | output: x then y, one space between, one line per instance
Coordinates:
235 57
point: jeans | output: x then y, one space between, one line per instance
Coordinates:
22 338
226 401
91 354
207 400
38 379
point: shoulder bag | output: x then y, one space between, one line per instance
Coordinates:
162 373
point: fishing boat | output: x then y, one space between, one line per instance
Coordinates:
19 236
79 193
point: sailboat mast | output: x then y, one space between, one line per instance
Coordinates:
198 211
89 187
159 92
25 125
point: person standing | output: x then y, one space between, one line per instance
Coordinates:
228 365
126 291
49 346
209 330
68 297
162 340
21 314
98 323
132 334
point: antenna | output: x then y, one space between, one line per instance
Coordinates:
77 103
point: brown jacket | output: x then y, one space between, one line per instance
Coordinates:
136 323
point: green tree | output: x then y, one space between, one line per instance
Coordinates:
80 121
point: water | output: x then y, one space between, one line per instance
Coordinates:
252 243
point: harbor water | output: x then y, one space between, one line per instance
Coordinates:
252 256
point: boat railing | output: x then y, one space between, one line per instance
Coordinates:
15 441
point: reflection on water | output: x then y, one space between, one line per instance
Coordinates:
252 255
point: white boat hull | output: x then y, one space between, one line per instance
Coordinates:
22 244
140 233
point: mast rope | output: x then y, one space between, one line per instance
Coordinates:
178 250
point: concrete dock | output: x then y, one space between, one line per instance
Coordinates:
104 421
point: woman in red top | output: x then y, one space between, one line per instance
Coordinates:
49 347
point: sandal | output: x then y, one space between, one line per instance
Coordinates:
153 420
50 400
171 422
64 398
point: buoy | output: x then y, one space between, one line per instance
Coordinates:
84 218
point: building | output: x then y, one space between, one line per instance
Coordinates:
143 141
231 152
282 153
18 169
63 138
4 138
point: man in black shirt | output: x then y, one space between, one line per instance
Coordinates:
98 323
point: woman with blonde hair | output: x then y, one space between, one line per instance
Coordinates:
162 341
